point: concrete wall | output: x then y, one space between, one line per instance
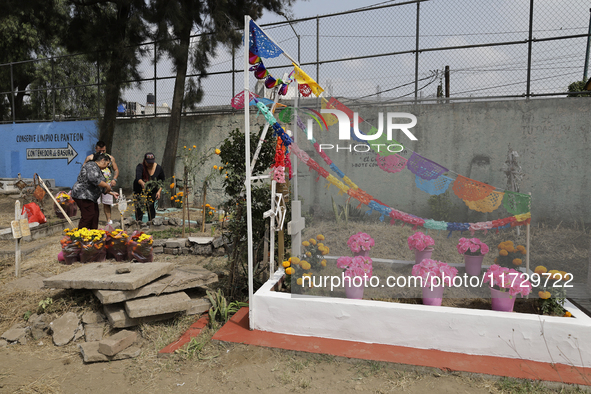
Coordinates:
551 135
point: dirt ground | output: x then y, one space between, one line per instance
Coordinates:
41 367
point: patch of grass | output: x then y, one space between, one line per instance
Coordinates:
516 386
172 232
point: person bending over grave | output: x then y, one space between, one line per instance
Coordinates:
111 174
146 186
89 186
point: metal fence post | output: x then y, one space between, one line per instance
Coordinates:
417 52
155 80
529 47
53 86
12 92
233 71
317 49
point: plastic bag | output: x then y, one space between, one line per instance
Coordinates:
70 250
117 245
34 213
67 203
139 247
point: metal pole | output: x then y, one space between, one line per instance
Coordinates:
317 50
248 174
529 47
233 72
587 52
447 83
12 92
53 87
155 76
417 52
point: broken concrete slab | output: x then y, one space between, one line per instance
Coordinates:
217 242
180 279
158 249
91 317
118 318
176 242
39 325
202 250
198 306
201 240
157 305
64 328
171 250
90 353
80 333
32 282
115 343
16 333
103 276
158 242
94 331
3 343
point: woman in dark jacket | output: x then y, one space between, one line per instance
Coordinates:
147 174
88 188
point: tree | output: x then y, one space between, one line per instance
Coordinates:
114 30
29 30
217 22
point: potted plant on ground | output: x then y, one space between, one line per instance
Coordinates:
473 250
435 276
421 244
360 244
505 283
357 270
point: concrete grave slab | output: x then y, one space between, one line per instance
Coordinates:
157 305
103 276
179 279
90 353
115 343
176 242
118 318
92 317
201 240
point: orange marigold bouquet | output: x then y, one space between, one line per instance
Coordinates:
510 256
139 247
117 244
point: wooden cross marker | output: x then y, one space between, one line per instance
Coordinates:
295 227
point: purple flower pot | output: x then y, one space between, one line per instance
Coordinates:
502 301
433 296
473 264
424 254
352 291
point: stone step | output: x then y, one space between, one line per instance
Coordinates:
179 279
157 305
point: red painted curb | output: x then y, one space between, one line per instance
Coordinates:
236 330
192 332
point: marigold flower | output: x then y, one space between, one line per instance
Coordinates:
171 198
555 274
312 241
289 271
503 252
185 147
306 265
215 167
320 237
564 274
306 243
217 151
325 251
286 264
544 295
309 254
517 261
540 269
189 149
194 147
567 314
294 260
173 176
323 263
172 185
299 281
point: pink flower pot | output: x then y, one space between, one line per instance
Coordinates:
473 264
424 254
502 301
352 291
362 253
434 296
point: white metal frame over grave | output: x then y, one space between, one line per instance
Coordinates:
470 331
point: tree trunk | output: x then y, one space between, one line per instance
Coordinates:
172 141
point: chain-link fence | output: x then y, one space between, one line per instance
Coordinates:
423 50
